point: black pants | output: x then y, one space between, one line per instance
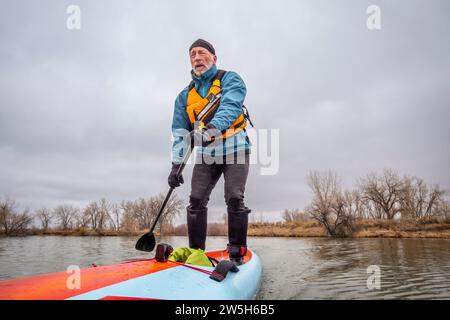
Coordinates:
204 179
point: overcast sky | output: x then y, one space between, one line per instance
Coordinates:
86 114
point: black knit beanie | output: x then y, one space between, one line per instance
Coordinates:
204 44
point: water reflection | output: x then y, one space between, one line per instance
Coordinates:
307 268
410 268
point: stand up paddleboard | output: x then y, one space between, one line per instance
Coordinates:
141 279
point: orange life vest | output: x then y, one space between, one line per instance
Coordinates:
201 110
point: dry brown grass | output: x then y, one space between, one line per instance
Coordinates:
290 229
364 229
430 228
217 229
86 232
214 229
402 229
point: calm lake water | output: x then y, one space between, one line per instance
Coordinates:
293 268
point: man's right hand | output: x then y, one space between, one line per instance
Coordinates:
174 180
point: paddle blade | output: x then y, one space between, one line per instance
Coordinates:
146 242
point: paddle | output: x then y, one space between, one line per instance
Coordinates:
147 241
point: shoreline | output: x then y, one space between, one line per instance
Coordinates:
362 229
304 229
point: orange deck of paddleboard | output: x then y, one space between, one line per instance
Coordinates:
54 286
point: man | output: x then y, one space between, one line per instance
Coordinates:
211 106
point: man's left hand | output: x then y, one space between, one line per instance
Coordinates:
204 136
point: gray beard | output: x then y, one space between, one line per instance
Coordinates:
198 74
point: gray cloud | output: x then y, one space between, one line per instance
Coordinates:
86 114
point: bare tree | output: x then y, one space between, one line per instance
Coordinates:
444 210
172 209
224 219
413 197
435 201
11 222
144 211
287 215
345 209
359 207
66 215
92 212
129 221
98 215
418 200
383 192
104 213
294 215
329 206
116 216
45 217
82 219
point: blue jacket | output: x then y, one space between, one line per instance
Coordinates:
230 108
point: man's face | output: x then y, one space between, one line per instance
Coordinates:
201 60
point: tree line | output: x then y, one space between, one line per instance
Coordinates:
377 196
98 216
382 196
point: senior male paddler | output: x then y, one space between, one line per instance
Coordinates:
212 105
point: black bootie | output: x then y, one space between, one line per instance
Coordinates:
197 224
237 231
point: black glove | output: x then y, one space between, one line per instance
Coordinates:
206 135
174 180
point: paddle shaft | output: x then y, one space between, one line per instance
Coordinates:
179 171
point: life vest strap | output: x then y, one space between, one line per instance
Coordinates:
247 115
213 101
